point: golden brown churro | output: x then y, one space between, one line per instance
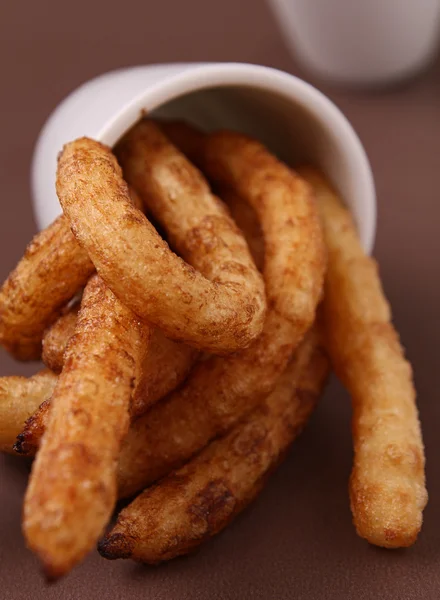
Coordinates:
387 486
199 500
72 488
218 309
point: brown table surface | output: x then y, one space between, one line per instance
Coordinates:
297 540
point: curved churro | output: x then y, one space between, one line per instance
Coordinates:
220 391
219 308
199 500
53 268
245 167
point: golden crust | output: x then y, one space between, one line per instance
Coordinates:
72 489
166 365
220 391
56 339
295 260
19 398
294 248
247 220
191 142
199 500
387 485
52 270
221 315
233 417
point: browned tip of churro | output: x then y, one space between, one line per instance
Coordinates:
116 545
20 444
29 439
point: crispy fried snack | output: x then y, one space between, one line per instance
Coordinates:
166 365
72 489
243 165
246 218
220 391
56 338
191 142
53 268
387 486
218 308
19 398
196 502
29 439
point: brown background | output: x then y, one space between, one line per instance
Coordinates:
297 540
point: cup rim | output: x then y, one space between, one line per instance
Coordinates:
208 75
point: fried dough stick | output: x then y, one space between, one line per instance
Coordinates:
244 166
194 503
387 485
246 218
220 391
166 365
72 489
220 307
56 339
19 398
53 269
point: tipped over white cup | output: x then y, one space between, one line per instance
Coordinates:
295 121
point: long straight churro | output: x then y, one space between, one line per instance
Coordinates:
387 485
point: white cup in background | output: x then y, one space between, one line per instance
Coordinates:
360 42
290 116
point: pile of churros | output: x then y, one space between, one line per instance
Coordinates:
188 306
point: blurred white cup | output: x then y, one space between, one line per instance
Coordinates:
360 42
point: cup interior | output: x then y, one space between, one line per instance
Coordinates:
289 130
292 131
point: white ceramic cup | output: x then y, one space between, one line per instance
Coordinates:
360 42
292 118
